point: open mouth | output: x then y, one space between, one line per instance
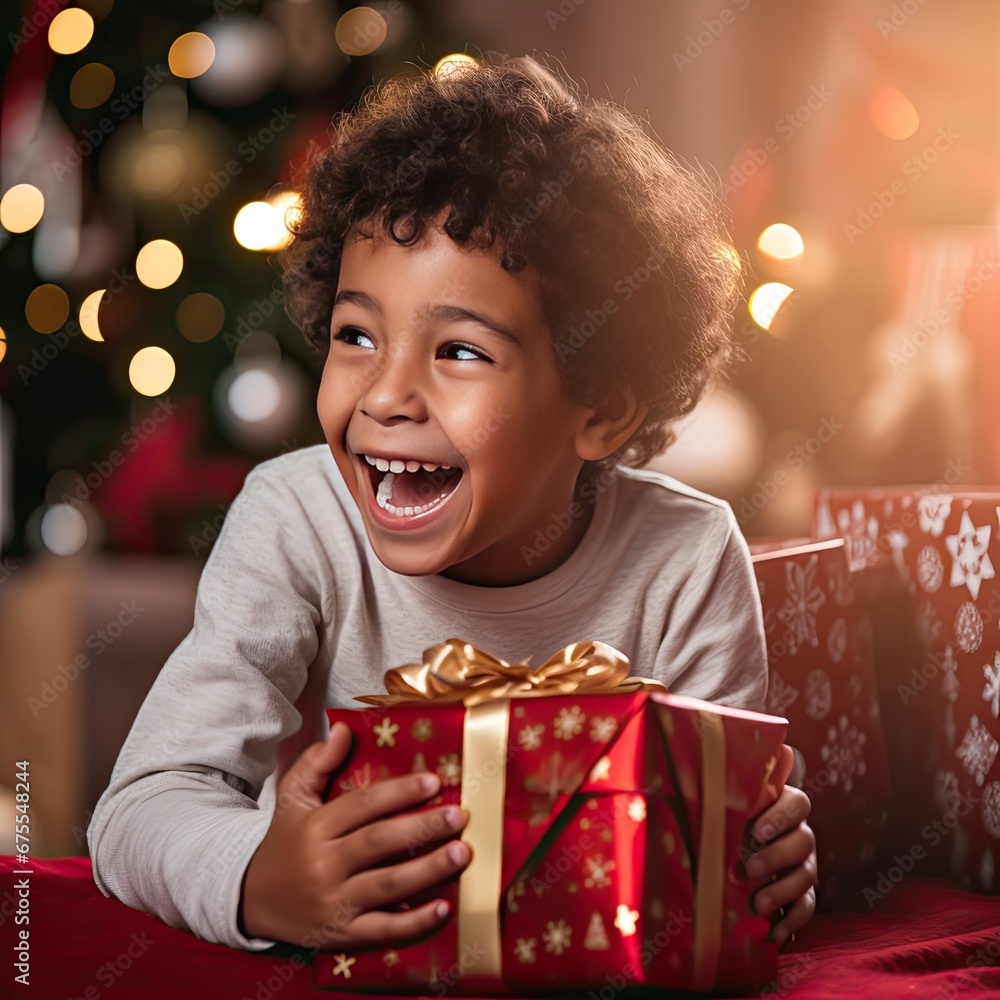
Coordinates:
407 487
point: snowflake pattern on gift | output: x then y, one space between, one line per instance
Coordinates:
602 728
836 641
991 693
530 737
933 512
860 533
971 561
360 777
819 694
991 809
422 730
800 607
968 628
386 733
596 870
555 776
779 694
524 950
930 569
978 750
557 936
843 753
568 723
928 624
838 579
946 792
449 769
898 542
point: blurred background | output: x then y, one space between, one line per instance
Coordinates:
147 168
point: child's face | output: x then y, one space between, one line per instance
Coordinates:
420 371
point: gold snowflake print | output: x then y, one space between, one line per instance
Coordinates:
557 936
568 723
625 920
597 869
530 737
422 730
449 769
524 949
386 733
602 728
637 809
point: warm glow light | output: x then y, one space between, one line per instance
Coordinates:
159 264
893 113
200 317
88 315
765 302
70 31
21 208
47 308
781 241
63 529
3 343
260 225
151 371
455 63
191 55
91 85
360 31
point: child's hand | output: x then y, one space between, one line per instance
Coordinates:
313 881
790 854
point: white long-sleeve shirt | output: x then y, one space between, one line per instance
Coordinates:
295 614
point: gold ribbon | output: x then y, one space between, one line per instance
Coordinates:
456 671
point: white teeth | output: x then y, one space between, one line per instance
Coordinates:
412 466
385 491
428 467
368 459
381 464
397 466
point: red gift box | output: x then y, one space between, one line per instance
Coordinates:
939 661
606 832
822 679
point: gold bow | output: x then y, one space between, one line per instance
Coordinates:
456 671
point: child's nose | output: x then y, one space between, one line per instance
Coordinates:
392 388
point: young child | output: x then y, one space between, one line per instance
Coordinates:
518 293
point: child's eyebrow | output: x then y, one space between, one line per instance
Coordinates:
357 298
459 314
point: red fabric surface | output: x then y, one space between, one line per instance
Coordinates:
925 939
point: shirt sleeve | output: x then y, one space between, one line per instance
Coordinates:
178 824
714 646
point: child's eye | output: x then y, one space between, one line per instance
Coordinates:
352 335
463 352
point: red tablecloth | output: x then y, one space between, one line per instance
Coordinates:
924 939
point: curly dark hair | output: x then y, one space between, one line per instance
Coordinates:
637 275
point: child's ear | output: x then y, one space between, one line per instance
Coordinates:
610 424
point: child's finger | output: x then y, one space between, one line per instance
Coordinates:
359 807
785 890
410 832
377 927
795 918
381 887
306 779
791 809
788 851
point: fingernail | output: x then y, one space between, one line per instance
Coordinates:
441 910
457 852
454 817
430 783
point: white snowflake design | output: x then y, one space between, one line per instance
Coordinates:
602 728
971 561
991 809
860 533
933 512
930 569
946 793
449 769
928 624
898 542
949 683
596 869
530 737
836 641
978 750
991 693
803 600
841 589
968 628
819 694
779 694
524 950
557 936
843 753
568 723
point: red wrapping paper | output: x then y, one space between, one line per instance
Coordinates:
928 562
822 679
600 844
